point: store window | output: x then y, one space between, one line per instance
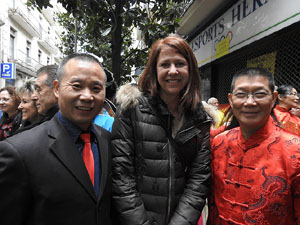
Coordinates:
28 50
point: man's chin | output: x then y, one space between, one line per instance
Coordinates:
42 113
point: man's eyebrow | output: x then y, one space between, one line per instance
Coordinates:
255 89
74 80
99 82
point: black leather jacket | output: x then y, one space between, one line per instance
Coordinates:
157 179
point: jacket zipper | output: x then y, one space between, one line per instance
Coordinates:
171 164
170 173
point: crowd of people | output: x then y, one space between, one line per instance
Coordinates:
76 150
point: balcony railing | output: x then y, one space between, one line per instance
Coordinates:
25 63
47 42
20 13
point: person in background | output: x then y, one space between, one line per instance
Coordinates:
0 111
46 102
220 115
43 96
214 102
111 88
60 171
255 167
213 113
27 105
227 122
160 139
106 117
12 117
286 100
296 110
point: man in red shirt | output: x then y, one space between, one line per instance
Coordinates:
255 167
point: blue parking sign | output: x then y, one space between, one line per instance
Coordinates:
8 70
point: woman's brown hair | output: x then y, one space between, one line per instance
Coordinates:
13 93
191 94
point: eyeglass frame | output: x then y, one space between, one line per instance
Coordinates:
247 95
293 94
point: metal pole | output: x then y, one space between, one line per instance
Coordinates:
75 39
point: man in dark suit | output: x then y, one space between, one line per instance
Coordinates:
45 177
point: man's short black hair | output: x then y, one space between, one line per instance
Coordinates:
79 56
252 72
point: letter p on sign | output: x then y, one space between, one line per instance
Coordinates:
8 70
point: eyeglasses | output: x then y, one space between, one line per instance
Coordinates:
256 96
294 94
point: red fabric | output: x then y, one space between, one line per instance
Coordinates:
87 155
223 107
255 181
215 132
5 129
289 122
200 221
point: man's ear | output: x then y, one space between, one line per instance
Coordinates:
229 95
55 88
275 95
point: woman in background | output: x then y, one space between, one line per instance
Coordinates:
27 105
160 139
286 100
12 117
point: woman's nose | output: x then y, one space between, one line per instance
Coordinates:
173 69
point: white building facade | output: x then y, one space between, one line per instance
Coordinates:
28 38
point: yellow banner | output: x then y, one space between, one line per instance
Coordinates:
222 48
266 61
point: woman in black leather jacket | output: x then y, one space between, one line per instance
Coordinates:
160 139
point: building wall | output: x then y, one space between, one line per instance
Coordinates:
35 42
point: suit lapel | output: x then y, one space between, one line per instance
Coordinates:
62 145
103 153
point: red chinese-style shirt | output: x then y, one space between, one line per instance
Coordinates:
255 181
289 122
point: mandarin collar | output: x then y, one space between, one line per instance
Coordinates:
281 109
258 137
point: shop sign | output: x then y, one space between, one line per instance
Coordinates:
245 22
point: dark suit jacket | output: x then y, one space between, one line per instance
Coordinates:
43 179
